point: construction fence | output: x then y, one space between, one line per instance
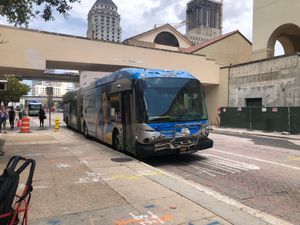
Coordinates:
282 119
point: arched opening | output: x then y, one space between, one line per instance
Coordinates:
288 35
278 50
166 38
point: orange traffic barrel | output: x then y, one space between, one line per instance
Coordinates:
25 126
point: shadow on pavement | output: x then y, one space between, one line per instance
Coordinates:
175 160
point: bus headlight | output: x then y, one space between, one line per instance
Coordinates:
205 130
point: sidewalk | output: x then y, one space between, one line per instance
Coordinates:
79 181
284 135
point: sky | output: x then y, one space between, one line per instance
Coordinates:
140 16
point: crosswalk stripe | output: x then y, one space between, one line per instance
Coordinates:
208 170
239 165
221 167
215 165
257 159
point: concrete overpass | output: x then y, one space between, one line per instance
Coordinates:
28 53
41 98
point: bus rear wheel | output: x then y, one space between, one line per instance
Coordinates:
67 122
85 131
117 141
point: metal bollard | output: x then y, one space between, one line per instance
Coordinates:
56 126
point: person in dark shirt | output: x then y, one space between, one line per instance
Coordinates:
12 116
42 116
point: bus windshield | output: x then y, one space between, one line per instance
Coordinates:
173 99
34 106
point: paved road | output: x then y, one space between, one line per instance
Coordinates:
261 172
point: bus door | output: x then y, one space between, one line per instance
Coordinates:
73 113
127 119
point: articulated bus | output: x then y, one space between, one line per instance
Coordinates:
143 111
73 109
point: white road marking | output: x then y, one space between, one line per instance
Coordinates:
234 164
296 142
256 159
83 162
40 187
63 165
215 165
202 170
227 164
91 178
214 171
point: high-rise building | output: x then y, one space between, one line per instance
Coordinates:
104 21
59 88
203 20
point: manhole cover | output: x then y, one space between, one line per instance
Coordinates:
121 159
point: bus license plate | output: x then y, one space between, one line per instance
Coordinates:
183 149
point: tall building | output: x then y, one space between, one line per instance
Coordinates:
104 21
203 20
59 88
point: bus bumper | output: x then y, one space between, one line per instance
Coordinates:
144 151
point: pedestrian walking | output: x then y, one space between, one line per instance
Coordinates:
12 116
3 117
42 116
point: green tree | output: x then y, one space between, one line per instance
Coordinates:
14 91
19 12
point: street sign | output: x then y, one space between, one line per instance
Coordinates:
49 91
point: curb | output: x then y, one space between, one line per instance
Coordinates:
222 131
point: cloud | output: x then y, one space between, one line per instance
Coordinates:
238 16
140 16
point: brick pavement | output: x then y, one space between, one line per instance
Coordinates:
263 186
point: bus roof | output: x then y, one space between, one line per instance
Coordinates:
138 73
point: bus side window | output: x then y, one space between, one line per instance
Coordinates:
115 112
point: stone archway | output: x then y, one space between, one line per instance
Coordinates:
166 38
289 37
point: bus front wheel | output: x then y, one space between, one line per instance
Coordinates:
117 143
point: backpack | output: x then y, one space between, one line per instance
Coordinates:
9 182
3 116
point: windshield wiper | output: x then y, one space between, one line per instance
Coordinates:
160 118
186 117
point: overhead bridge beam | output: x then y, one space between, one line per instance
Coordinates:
25 51
82 66
31 74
